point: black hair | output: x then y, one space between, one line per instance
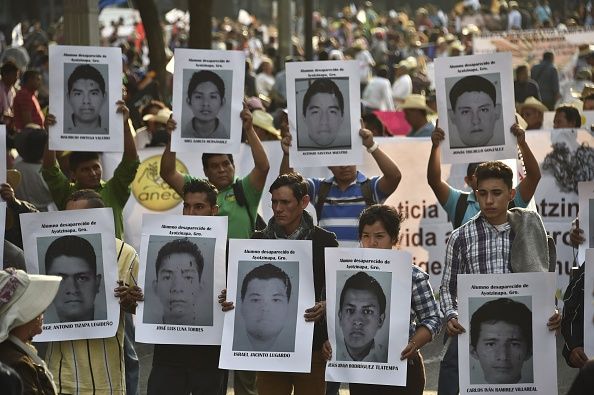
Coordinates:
363 281
207 156
31 149
572 115
28 75
472 83
198 185
8 68
323 85
548 56
494 169
206 76
506 310
93 198
387 215
86 72
472 168
267 271
72 246
294 181
75 158
180 246
151 105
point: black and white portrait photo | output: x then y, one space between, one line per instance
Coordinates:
179 281
501 340
267 296
78 260
86 107
362 330
206 111
475 111
323 114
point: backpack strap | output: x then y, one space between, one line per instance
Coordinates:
322 195
242 201
461 206
367 192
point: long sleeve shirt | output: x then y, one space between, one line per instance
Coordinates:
475 247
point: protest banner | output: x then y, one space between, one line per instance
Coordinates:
586 202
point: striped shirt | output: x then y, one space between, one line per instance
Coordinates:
475 247
340 213
95 366
423 309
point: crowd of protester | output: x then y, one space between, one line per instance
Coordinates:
394 51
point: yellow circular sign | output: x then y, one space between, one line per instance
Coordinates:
150 190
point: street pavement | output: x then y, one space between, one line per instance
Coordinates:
431 354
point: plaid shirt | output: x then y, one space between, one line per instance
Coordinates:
423 310
475 247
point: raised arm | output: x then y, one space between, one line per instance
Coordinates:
285 144
49 157
391 175
527 186
130 152
261 165
167 170
440 188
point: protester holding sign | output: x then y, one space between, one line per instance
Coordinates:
379 226
485 245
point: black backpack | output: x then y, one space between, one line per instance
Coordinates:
325 188
239 193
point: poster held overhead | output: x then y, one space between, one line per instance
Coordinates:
476 115
207 100
85 84
324 113
586 202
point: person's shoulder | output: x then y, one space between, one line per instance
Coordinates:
257 235
324 236
419 274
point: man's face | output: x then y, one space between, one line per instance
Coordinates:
196 203
86 100
88 174
34 83
264 308
323 118
206 101
533 117
588 104
178 286
360 319
475 116
376 236
220 171
344 174
414 117
493 197
501 350
80 284
287 209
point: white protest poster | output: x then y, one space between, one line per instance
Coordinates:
589 303
324 113
79 246
207 100
505 317
85 83
3 221
271 285
3 153
479 116
586 200
368 295
182 270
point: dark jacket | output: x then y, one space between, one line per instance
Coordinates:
320 240
35 381
572 323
